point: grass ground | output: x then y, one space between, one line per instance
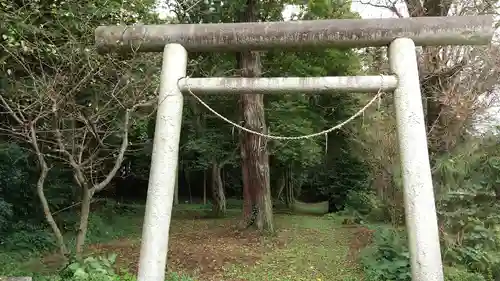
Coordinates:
303 248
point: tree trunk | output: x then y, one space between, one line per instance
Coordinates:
219 199
289 196
84 221
46 209
281 184
44 170
432 66
188 183
255 165
205 187
176 189
223 176
199 121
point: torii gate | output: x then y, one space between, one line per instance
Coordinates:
175 40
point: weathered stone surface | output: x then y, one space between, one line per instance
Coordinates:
348 33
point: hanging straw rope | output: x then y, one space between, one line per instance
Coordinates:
324 132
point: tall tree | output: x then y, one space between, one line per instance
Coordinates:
288 115
63 99
254 152
457 84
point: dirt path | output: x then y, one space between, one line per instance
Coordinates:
198 248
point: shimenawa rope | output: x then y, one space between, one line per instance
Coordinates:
324 132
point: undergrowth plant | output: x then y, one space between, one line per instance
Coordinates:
364 206
101 269
470 234
91 268
388 259
467 194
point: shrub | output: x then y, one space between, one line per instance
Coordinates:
6 213
101 269
471 234
91 269
10 265
388 258
27 237
22 223
16 184
364 205
461 274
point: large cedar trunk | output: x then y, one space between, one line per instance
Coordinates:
255 158
219 199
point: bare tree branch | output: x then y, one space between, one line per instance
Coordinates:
391 6
119 158
11 112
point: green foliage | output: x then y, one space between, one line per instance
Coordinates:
465 182
472 235
461 274
10 265
111 220
364 206
6 213
101 269
336 177
323 167
48 60
27 237
103 227
173 276
21 219
91 268
388 259
206 139
46 24
58 34
17 190
300 120
467 206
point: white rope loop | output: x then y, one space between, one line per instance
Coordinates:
324 132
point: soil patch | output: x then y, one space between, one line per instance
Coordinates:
204 252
